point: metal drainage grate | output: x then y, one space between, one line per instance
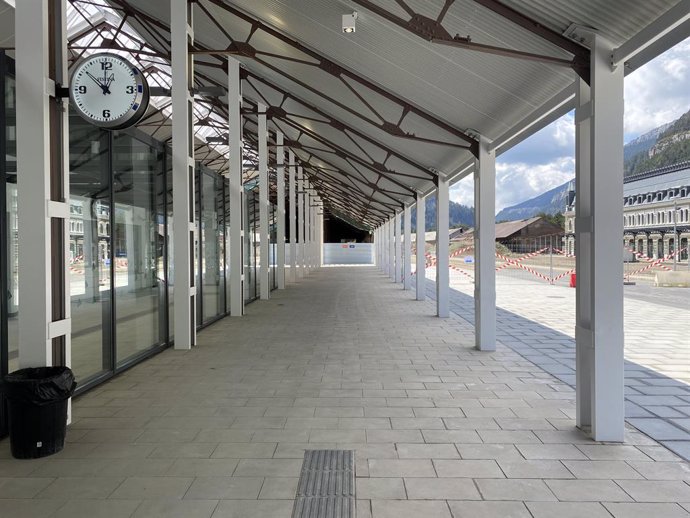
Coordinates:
326 487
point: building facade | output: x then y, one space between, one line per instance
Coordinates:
656 213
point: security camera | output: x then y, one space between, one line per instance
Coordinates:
349 22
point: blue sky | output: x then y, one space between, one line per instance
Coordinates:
655 94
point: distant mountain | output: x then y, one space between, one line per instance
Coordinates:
671 146
643 143
550 202
666 145
460 215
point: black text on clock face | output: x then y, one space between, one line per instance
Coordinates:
106 89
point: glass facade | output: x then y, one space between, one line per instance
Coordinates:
251 243
211 224
121 226
9 226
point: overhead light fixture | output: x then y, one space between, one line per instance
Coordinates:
349 22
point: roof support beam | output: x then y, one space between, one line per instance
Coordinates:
331 67
580 52
336 123
433 31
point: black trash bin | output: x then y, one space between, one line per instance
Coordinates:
37 402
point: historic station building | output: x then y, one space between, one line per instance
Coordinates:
656 212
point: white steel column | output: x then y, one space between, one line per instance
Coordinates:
300 223
264 245
421 247
599 227
321 240
398 249
314 240
181 33
41 255
384 247
407 251
280 211
485 248
311 234
292 217
442 247
379 248
235 295
307 229
391 247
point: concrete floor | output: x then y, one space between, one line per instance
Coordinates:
345 359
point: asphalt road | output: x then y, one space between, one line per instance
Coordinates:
673 297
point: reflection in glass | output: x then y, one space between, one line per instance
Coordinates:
138 243
212 232
10 220
90 242
170 243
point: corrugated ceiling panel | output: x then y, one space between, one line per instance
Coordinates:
618 20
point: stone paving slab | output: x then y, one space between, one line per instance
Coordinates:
344 360
541 328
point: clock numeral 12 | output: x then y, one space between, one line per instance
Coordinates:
106 65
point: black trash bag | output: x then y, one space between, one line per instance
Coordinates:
39 386
37 405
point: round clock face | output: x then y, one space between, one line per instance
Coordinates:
108 91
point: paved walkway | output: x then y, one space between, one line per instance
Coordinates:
541 328
346 359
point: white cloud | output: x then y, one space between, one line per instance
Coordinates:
463 191
659 92
517 182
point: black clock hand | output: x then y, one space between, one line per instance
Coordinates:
106 83
98 82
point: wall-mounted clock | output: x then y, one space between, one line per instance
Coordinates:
108 91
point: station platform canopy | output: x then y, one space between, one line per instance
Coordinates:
376 115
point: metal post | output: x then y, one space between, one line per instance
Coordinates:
319 235
391 247
292 217
551 259
314 236
442 247
485 248
307 229
280 211
398 249
407 253
384 248
183 174
264 245
43 184
421 247
676 247
235 295
300 223
599 309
